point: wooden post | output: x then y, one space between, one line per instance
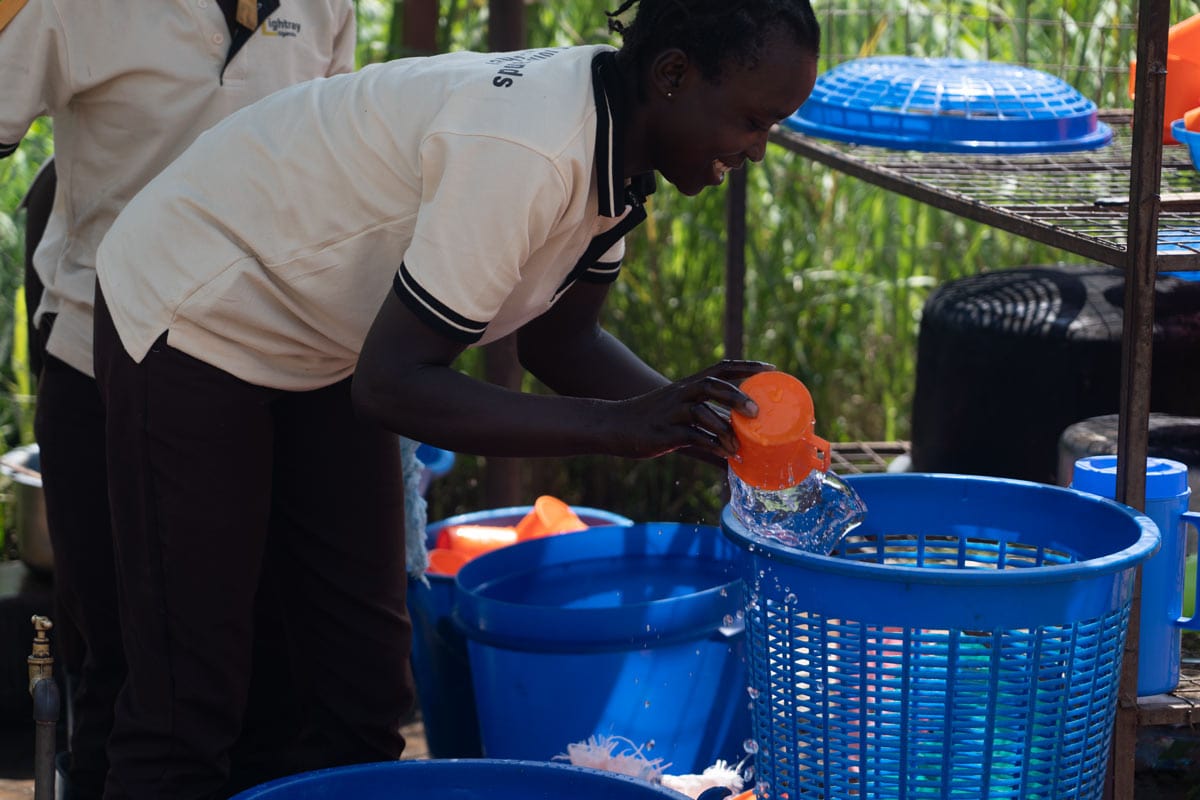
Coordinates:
417 30
502 478
506 25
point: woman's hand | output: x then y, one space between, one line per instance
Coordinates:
691 413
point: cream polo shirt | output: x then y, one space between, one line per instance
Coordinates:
129 86
478 186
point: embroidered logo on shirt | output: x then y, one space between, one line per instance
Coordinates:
512 64
274 26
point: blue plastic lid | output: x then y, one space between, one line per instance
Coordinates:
1098 475
949 105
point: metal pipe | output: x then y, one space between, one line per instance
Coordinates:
46 708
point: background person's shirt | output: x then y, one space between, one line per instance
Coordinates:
129 86
473 184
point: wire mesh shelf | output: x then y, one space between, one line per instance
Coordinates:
856 458
1074 201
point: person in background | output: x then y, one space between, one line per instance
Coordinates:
38 201
129 86
382 223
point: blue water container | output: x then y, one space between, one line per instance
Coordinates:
964 642
633 632
1161 620
439 652
475 779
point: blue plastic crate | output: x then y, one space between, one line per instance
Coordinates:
949 105
964 642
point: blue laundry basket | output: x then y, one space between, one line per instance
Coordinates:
964 642
633 632
439 652
476 779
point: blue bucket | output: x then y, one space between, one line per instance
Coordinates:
476 779
633 632
439 652
964 642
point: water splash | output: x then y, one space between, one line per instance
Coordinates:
811 516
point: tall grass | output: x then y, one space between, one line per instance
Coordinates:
837 270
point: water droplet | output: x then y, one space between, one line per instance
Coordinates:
762 790
750 690
790 600
727 620
647 704
750 746
650 745
724 592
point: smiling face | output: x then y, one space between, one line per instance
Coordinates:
698 129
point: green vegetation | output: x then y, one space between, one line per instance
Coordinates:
837 270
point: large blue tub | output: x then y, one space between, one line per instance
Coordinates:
632 631
439 652
474 779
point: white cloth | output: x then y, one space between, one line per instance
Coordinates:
415 518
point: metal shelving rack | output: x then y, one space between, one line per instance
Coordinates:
1112 205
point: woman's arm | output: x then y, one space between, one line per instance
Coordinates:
405 381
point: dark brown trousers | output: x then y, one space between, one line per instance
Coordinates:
69 425
224 493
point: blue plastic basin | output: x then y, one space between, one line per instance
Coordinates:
632 631
476 779
439 652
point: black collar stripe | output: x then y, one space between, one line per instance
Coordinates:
240 34
613 195
434 312
606 85
605 179
8 149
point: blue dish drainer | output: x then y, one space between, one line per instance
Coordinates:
949 105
